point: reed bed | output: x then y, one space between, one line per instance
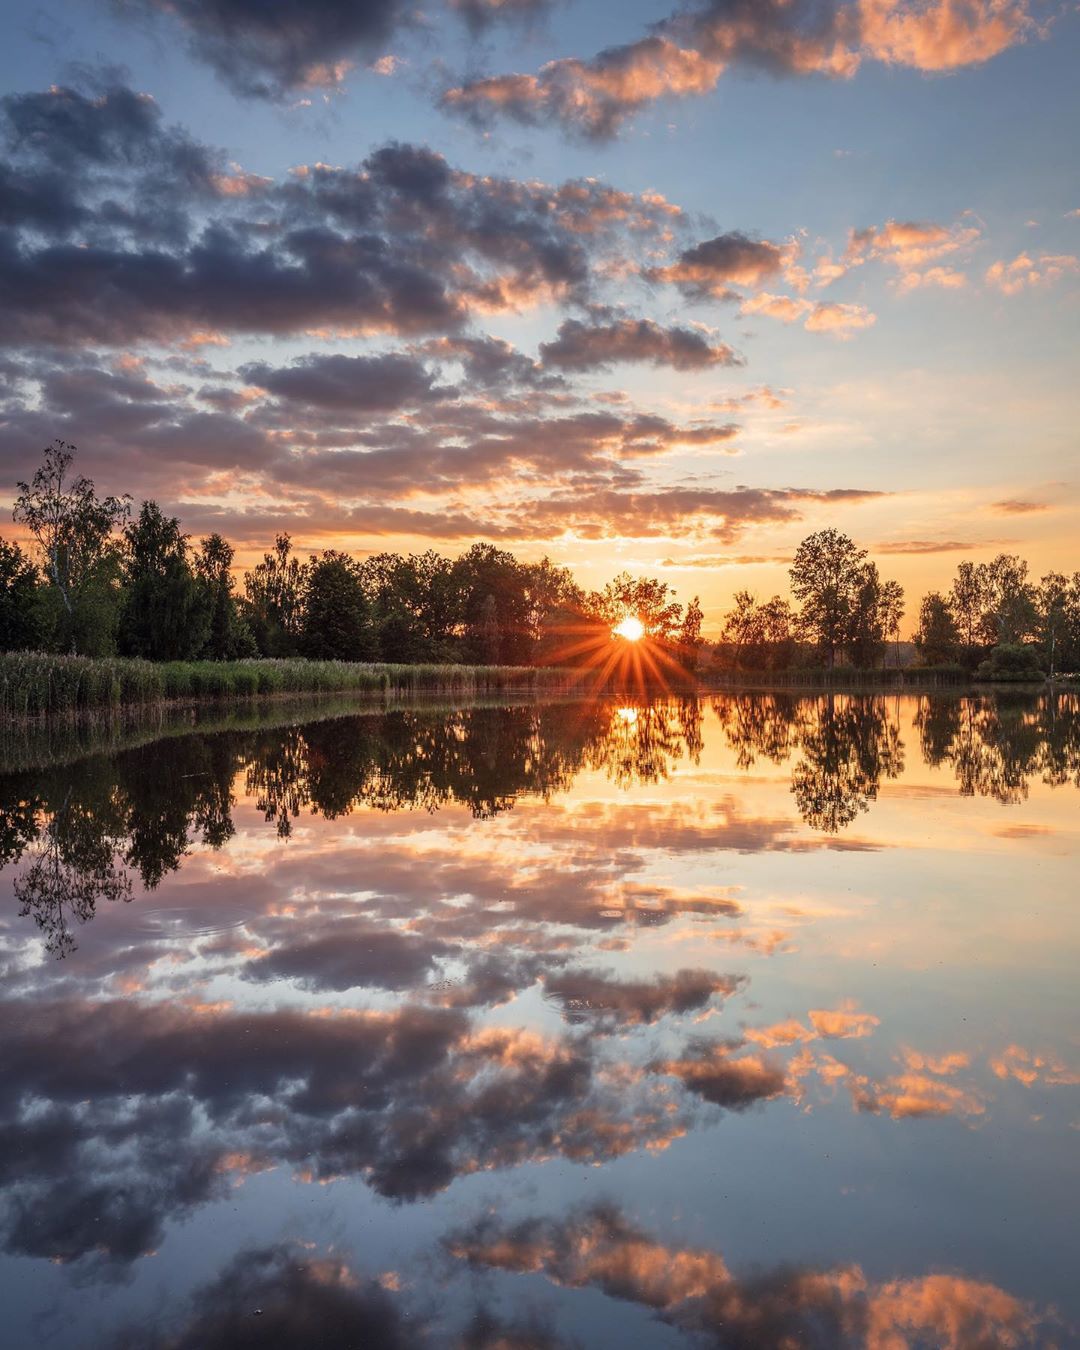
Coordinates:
38 684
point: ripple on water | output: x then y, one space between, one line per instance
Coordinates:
167 922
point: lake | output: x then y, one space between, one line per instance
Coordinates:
747 1020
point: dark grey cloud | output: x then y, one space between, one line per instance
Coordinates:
288 1296
120 229
267 48
119 1117
715 1071
389 382
713 267
583 345
588 995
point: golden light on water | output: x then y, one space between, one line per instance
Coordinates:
631 628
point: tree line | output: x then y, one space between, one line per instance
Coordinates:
106 581
995 620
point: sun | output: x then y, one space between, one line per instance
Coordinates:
631 628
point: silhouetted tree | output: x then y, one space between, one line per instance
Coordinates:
21 617
937 640
274 600
228 636
163 614
337 624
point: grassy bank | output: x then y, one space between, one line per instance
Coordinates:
36 684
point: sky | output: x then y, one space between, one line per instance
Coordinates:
628 286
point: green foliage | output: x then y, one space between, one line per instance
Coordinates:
36 684
938 639
1011 661
73 528
228 636
337 620
163 613
21 614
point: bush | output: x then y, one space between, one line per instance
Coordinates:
1011 662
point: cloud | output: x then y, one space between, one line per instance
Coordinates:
267 51
482 14
711 268
301 1298
590 346
1025 272
917 546
940 278
693 1289
390 382
1017 506
597 996
712 1071
688 52
820 316
124 230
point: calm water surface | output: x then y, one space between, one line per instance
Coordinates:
749 1021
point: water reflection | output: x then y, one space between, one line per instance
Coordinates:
426 974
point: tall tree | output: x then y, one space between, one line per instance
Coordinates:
228 636
73 529
690 634
162 614
337 623
487 574
892 612
938 638
21 619
652 601
1009 612
827 575
274 599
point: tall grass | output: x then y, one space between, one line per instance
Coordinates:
37 684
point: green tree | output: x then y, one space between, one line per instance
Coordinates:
494 606
21 618
337 623
827 578
652 601
162 614
73 529
1009 611
274 600
228 636
690 634
938 638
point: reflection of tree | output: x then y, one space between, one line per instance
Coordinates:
74 867
846 745
758 724
996 744
85 824
641 741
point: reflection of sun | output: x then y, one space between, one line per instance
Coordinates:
631 628
628 716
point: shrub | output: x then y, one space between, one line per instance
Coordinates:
1011 661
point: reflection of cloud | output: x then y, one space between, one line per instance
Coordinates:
1031 1068
711 1070
694 1290
842 1023
119 1116
597 995
286 1296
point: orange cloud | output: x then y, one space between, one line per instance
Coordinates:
1025 272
